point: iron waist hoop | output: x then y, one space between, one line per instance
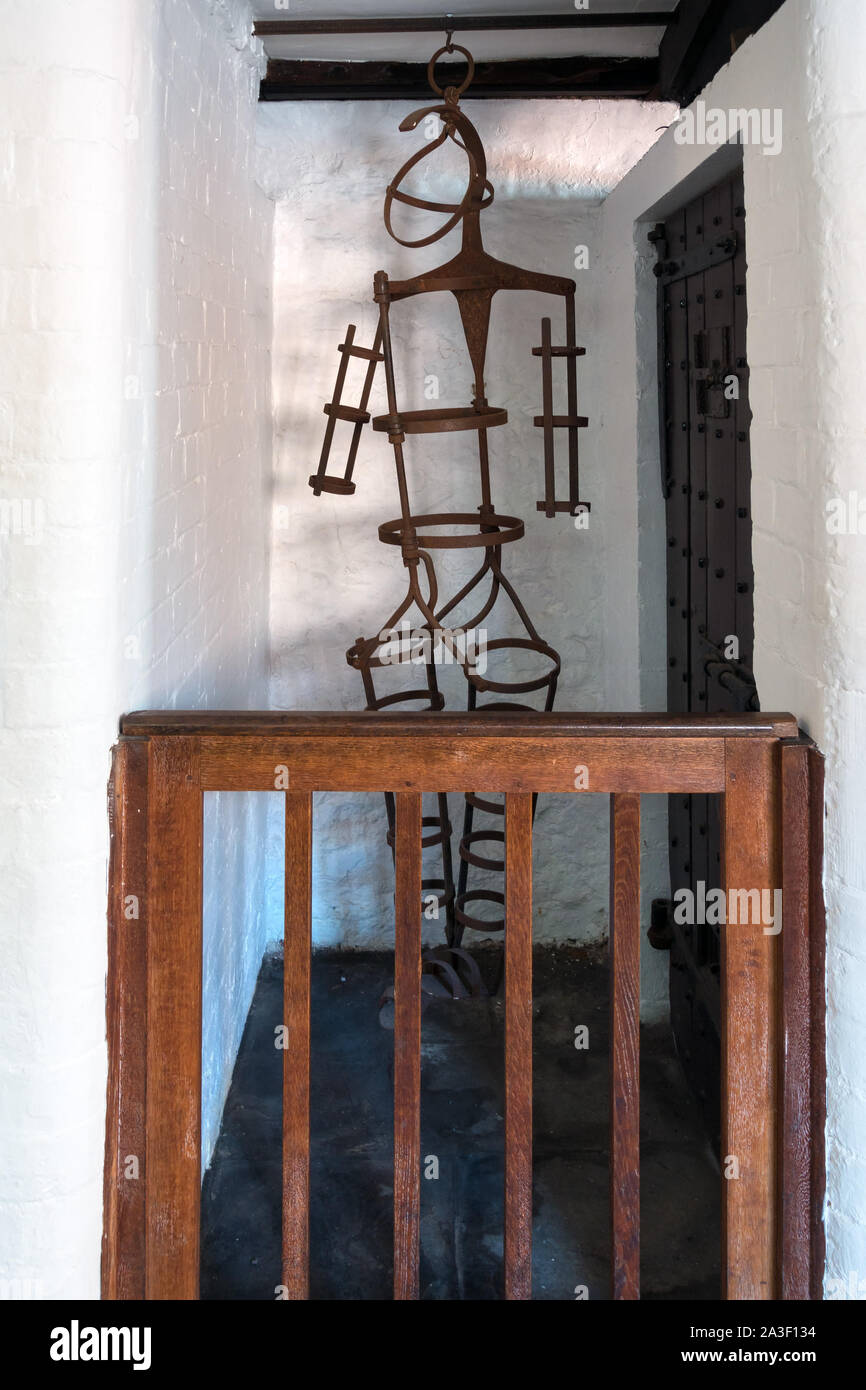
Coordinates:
498 530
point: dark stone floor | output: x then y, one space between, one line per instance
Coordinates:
461 1116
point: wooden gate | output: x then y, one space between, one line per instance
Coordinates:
765 775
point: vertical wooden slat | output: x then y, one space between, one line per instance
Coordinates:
625 1045
296 1057
173 1156
407 1045
818 1013
750 1027
795 1203
518 1045
123 1242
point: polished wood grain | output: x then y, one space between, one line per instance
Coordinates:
123 1244
336 762
296 1057
173 1147
750 1032
625 1045
518 1046
454 723
407 1045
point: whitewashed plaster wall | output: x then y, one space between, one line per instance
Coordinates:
197 547
805 249
551 163
134 469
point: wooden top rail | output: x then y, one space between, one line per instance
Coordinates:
515 751
160 723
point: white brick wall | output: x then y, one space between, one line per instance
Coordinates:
134 404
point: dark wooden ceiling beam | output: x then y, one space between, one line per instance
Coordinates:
462 24
706 33
305 80
683 43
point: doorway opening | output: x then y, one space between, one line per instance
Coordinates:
706 481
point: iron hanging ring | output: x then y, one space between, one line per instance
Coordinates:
431 71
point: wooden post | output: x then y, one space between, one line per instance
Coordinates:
750 1041
296 1057
123 1241
818 1014
625 1045
407 1045
795 1205
518 1045
173 1151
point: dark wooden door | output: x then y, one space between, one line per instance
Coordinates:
704 381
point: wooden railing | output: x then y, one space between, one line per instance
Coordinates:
769 779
